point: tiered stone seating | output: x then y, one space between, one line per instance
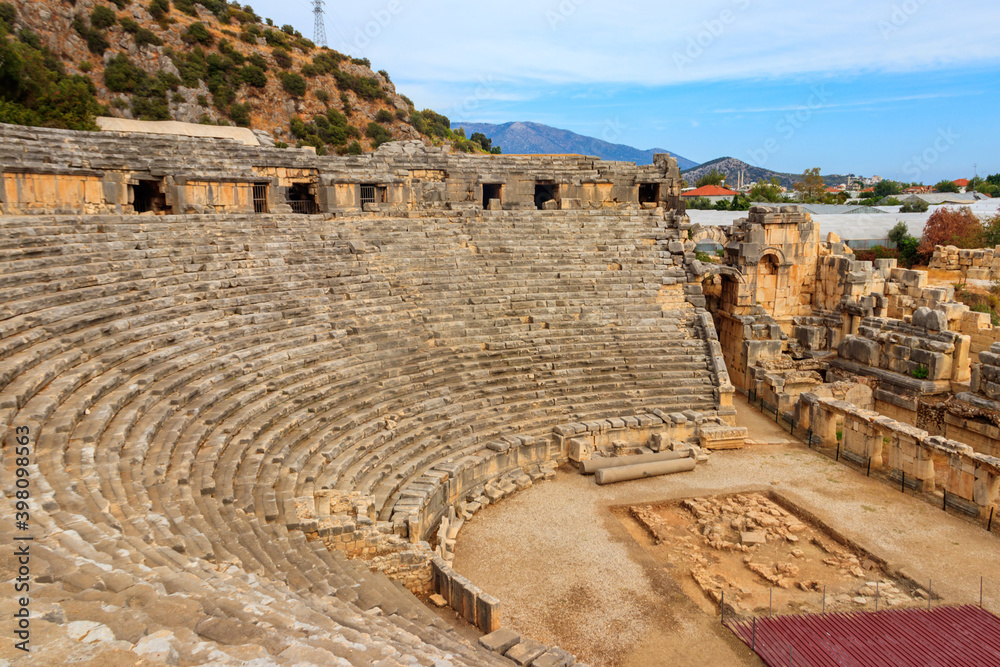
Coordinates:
187 379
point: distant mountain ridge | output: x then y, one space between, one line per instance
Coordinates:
535 139
732 167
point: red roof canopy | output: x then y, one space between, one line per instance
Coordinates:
956 636
709 191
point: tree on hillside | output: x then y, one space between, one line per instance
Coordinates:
886 189
767 191
812 185
713 177
946 186
948 226
482 140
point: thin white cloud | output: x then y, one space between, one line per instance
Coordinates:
841 105
531 43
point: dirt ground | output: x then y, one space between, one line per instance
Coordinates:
569 571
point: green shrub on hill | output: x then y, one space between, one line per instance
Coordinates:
35 89
148 93
282 58
103 17
378 134
97 43
197 33
331 129
293 84
159 9
253 76
240 114
8 14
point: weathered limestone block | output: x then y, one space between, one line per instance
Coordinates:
487 613
525 651
932 320
811 338
906 453
861 437
722 437
824 423
962 476
986 487
499 640
861 350
909 278
659 442
580 449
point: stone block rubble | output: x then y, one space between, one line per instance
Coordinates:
737 548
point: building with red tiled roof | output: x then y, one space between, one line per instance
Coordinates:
712 193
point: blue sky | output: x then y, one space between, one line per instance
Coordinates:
907 89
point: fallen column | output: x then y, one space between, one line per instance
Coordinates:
643 470
593 465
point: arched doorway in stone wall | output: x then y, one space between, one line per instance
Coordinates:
767 282
727 297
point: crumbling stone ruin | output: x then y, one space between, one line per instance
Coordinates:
975 264
263 390
865 356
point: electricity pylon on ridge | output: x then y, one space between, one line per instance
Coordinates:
319 28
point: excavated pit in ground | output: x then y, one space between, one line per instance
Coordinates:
764 556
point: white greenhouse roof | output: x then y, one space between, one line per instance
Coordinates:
855 227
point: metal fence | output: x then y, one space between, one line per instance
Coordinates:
303 206
897 478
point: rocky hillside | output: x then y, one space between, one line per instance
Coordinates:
64 61
535 138
731 167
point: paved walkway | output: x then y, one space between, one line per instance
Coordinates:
568 572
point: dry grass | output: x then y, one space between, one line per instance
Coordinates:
940 277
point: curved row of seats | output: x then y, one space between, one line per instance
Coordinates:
186 379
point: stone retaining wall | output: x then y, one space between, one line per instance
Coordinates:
971 480
986 374
469 601
975 264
